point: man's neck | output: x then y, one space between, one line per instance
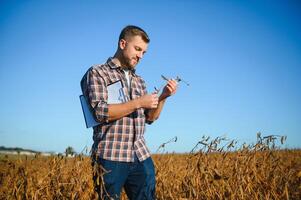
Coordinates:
116 61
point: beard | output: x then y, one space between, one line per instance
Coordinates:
129 63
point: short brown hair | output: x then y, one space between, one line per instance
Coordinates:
130 31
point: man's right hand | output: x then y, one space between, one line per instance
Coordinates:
149 101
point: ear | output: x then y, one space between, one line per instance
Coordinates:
122 44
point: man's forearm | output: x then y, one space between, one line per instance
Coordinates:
149 101
168 90
154 114
117 111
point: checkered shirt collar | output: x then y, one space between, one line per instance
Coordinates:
114 66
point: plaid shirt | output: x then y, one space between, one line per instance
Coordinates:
120 139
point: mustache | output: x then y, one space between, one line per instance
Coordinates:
137 59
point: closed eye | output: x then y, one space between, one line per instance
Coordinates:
139 49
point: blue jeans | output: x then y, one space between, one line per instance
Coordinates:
137 178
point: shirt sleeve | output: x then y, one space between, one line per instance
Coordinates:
97 95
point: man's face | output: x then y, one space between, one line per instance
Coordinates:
133 50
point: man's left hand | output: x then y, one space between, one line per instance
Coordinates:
169 89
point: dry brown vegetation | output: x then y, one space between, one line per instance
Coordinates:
214 169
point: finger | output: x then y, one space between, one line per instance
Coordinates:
172 90
173 84
172 81
169 88
156 100
155 94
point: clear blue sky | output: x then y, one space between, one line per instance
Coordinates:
242 59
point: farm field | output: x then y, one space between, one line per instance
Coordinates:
208 172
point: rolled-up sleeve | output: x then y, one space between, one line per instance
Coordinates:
149 122
97 95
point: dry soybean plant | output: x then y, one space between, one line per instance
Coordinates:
216 168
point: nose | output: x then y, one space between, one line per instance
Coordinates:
140 55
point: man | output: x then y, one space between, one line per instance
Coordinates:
119 146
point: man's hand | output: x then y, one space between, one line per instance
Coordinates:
117 111
149 101
169 89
